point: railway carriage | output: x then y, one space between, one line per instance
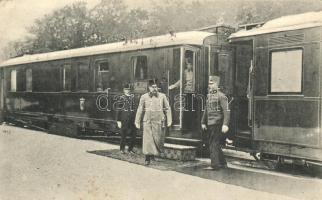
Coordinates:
74 92
271 73
284 88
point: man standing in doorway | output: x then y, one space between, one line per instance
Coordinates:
156 113
215 120
188 74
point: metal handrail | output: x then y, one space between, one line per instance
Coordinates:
250 93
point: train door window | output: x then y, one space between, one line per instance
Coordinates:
286 71
13 80
103 75
140 67
83 77
189 72
67 80
214 68
29 80
225 72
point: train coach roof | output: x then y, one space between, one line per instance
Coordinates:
190 38
285 23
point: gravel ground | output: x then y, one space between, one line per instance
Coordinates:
36 165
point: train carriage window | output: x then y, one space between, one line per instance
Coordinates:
46 78
104 67
13 80
286 71
140 67
18 80
21 80
29 80
83 77
189 72
103 80
67 79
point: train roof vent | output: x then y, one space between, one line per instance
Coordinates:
286 39
283 24
250 26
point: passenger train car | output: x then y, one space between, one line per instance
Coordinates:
74 92
284 92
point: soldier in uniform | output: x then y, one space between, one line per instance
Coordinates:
155 112
125 116
215 120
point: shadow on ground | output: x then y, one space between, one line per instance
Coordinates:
158 163
294 186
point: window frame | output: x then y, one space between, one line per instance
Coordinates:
78 64
31 77
133 70
270 71
63 76
98 73
194 68
98 63
15 80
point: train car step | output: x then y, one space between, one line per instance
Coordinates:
179 152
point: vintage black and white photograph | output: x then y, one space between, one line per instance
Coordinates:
160 99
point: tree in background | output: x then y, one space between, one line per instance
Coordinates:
261 11
112 21
75 26
65 28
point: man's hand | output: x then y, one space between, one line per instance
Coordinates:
169 124
119 124
137 125
224 128
203 127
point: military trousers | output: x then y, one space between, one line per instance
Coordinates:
128 131
215 146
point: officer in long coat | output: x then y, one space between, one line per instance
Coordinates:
155 112
125 116
215 120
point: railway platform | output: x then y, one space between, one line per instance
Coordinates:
37 165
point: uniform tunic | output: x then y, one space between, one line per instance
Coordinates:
155 111
126 115
216 114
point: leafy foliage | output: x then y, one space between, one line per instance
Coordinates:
76 26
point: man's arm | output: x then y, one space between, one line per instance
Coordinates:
118 116
167 110
204 117
175 85
223 100
139 113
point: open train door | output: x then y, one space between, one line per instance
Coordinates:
243 105
182 79
236 84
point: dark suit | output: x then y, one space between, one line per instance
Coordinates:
216 114
126 115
